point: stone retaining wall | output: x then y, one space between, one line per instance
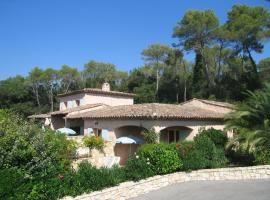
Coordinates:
128 190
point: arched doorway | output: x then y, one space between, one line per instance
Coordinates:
124 150
175 134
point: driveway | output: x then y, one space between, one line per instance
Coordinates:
212 190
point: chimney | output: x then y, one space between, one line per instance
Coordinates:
106 87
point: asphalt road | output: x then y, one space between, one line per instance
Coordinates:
212 190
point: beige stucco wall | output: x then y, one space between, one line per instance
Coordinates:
57 122
93 99
71 99
118 128
158 125
108 100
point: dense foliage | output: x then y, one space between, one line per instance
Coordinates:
201 154
137 168
163 158
223 67
30 157
150 136
217 136
251 123
93 142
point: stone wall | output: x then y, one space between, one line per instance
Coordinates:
128 190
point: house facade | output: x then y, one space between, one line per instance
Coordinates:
112 115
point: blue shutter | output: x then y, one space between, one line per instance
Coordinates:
90 131
183 134
81 130
105 134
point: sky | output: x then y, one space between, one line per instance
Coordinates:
50 33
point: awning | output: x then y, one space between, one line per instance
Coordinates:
129 140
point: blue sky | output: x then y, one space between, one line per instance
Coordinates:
50 33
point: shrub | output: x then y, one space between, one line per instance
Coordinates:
31 157
10 180
240 157
138 168
163 158
184 147
150 136
262 157
204 155
217 136
91 178
93 142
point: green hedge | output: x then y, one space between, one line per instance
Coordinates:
163 158
203 154
217 136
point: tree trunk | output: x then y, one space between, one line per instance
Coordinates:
252 62
35 90
219 63
67 88
185 82
51 98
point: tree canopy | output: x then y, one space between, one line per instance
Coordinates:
223 67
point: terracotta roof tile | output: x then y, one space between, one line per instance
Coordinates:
150 111
97 91
39 116
215 103
74 109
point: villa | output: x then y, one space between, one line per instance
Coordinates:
112 115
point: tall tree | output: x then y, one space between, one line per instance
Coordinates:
248 27
156 55
69 78
96 73
16 94
50 77
35 79
141 81
264 69
196 31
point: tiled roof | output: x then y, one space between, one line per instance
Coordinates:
150 111
78 108
215 103
39 116
97 91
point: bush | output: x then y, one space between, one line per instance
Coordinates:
240 157
204 154
217 136
184 147
93 142
91 178
164 158
262 157
150 136
138 168
31 158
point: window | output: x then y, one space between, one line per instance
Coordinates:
171 136
77 102
98 132
176 135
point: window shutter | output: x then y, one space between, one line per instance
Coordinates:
183 134
90 131
82 102
81 130
105 134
